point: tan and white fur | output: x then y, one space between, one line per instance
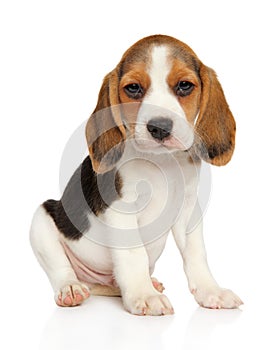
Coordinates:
146 85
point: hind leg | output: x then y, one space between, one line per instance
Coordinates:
97 289
45 241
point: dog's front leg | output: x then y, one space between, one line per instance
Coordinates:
200 280
131 269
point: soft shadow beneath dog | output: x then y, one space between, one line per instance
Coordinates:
203 323
102 323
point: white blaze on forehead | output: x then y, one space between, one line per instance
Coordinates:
159 69
160 95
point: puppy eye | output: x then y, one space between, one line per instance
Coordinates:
184 88
134 90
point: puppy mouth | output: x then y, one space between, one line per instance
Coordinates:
171 142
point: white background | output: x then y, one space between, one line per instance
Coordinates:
54 55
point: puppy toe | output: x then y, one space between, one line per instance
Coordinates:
72 295
157 285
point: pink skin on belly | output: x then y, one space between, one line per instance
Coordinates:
85 274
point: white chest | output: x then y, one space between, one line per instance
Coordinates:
152 197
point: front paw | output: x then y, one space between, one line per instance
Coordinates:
216 298
148 304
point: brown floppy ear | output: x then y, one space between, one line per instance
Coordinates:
105 131
215 126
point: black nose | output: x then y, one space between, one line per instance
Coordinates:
160 128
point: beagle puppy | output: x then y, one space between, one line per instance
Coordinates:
160 112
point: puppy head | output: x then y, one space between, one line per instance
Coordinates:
165 99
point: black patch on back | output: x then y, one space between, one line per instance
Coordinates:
86 192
